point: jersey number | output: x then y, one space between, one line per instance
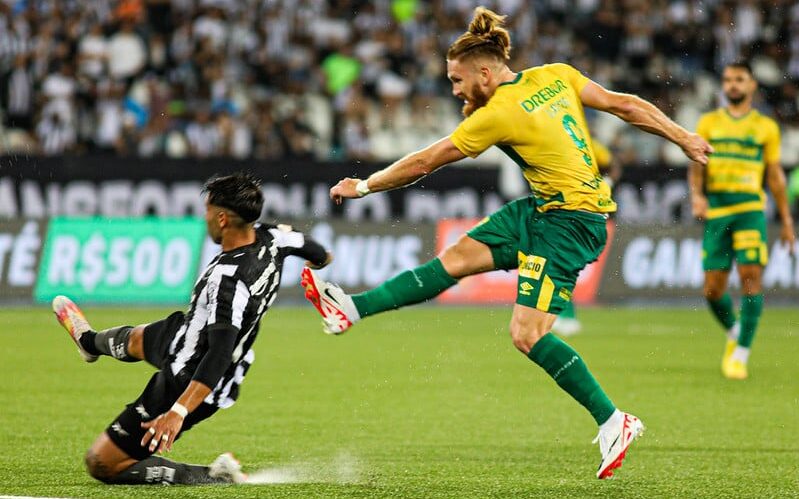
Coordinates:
577 136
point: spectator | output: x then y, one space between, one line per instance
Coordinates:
55 135
127 54
374 64
93 53
203 134
18 95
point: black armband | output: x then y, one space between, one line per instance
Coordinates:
221 343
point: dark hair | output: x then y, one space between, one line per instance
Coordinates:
741 65
239 193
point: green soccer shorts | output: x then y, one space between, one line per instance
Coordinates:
549 249
742 236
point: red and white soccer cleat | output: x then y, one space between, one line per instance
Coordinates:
73 320
334 305
614 440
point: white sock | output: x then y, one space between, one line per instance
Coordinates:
741 353
734 331
614 419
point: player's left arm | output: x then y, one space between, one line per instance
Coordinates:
401 173
162 431
775 177
295 243
647 117
226 301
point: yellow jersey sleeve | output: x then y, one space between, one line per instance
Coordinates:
574 76
702 127
771 149
483 129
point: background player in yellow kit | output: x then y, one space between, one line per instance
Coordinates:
728 195
536 117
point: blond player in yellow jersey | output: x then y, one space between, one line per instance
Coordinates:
536 117
728 194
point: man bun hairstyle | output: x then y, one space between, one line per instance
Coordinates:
239 193
485 37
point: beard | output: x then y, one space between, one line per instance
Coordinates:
477 100
735 99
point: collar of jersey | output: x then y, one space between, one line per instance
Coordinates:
739 118
515 80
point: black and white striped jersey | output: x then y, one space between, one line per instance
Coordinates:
236 289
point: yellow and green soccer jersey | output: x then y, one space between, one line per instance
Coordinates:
742 147
537 119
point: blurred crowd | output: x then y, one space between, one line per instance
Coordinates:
351 79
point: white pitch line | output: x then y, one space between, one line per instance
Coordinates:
31 497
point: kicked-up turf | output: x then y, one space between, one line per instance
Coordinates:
426 402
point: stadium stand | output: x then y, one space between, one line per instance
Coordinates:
351 79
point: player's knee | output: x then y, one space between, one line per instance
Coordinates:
96 468
454 261
136 342
523 336
713 293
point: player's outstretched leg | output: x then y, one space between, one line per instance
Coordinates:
617 429
114 342
340 310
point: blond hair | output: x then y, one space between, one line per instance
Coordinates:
486 36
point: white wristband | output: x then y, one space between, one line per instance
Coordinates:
180 410
362 188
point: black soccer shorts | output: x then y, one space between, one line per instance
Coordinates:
158 396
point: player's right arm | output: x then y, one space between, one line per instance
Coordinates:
402 172
647 117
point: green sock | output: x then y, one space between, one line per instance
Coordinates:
751 308
722 309
569 371
409 287
568 311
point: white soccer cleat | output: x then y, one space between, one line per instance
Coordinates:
73 320
614 441
227 468
334 305
566 326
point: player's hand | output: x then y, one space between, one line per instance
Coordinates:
317 267
161 431
699 207
787 236
696 148
344 189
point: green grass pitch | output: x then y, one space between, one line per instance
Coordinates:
426 402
